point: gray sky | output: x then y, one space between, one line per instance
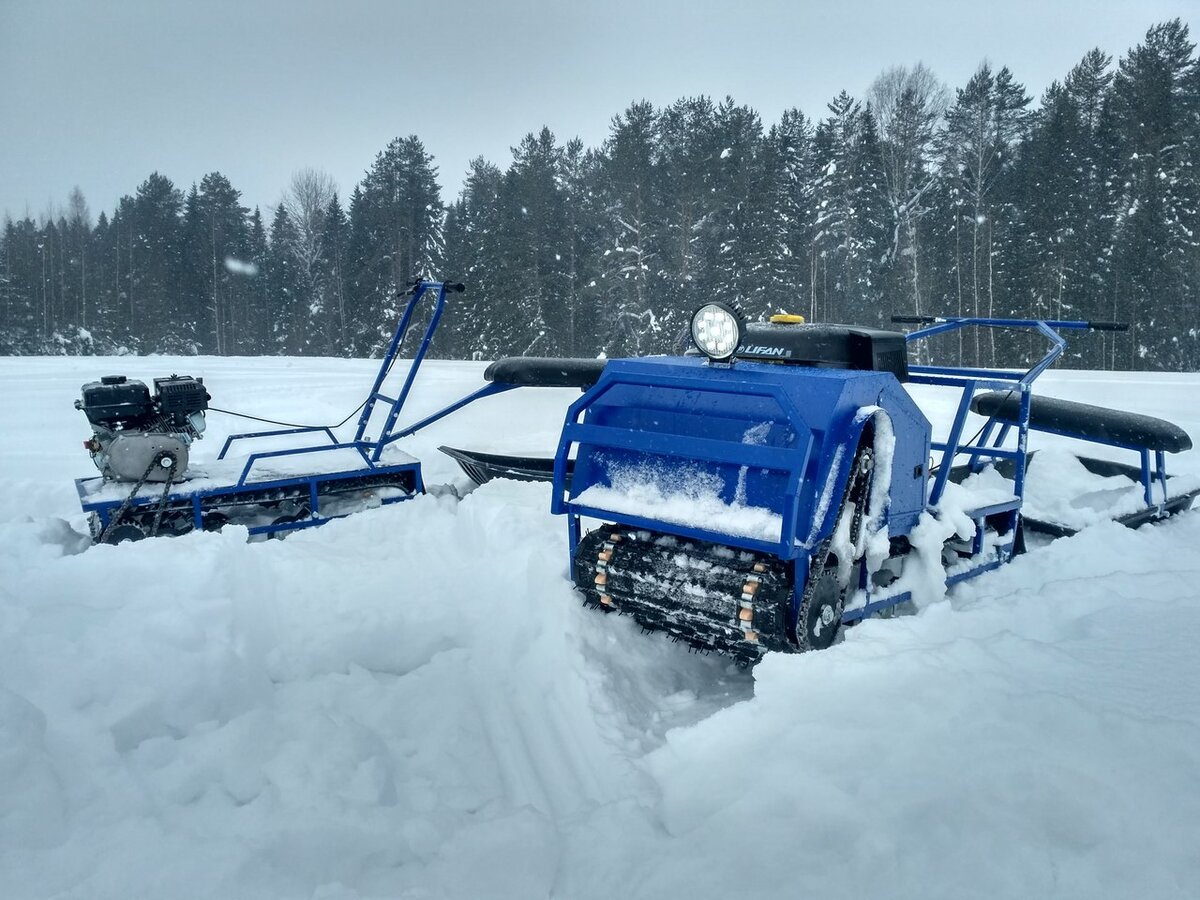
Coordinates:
100 93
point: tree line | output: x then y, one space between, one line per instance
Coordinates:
910 200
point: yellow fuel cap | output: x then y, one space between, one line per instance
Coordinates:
786 319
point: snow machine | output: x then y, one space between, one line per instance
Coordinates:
146 487
777 483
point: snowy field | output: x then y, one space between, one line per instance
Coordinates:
411 703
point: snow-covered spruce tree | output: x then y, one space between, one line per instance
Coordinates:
283 286
849 228
216 247
740 236
454 240
983 129
788 163
1157 225
50 255
396 235
361 276
153 265
1051 199
689 149
579 183
331 282
630 290
259 307
1088 84
531 281
118 300
19 270
476 326
100 289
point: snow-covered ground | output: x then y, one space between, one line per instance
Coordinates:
411 702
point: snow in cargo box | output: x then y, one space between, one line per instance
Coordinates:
681 494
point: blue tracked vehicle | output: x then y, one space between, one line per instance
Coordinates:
765 491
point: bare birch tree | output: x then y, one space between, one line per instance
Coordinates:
908 105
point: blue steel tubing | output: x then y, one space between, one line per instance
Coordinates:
875 606
394 413
389 358
774 458
485 391
1160 466
1059 345
1147 480
961 372
257 434
976 451
253 458
970 381
955 323
938 377
953 441
375 394
1022 457
574 531
386 363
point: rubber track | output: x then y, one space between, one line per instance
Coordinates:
690 589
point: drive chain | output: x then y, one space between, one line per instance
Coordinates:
128 501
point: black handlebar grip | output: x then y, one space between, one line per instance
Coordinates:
1108 326
914 320
454 287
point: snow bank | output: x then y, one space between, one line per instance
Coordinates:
412 703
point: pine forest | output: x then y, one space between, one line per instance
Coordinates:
915 198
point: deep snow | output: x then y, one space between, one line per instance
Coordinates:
411 703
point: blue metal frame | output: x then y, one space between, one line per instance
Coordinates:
1010 442
972 380
370 451
209 499
805 480
789 462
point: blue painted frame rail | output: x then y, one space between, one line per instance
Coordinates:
972 380
308 485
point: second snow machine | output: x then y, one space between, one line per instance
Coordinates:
778 483
146 487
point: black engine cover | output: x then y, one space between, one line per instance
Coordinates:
827 346
115 400
180 395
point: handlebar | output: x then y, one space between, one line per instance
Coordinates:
1016 323
450 287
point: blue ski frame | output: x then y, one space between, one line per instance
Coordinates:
309 488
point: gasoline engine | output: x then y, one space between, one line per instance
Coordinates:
138 436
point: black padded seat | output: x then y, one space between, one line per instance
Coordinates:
1082 420
542 371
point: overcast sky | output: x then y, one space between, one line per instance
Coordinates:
100 93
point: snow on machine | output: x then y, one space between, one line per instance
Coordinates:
146 487
778 484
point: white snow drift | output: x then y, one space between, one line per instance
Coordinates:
411 702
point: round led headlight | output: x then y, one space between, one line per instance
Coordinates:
717 330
